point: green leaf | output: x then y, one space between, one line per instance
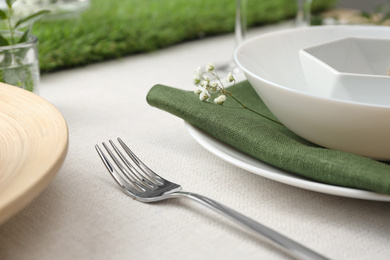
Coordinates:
3 41
25 35
7 60
10 3
31 18
379 8
365 14
386 17
3 15
20 54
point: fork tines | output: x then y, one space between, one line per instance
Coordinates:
141 179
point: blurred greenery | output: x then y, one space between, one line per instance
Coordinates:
113 29
380 15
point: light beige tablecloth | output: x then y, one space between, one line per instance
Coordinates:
84 215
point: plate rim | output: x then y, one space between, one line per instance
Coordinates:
216 147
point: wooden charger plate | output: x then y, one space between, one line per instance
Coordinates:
33 146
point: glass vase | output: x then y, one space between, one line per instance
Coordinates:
19 64
59 9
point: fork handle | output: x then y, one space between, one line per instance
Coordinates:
284 243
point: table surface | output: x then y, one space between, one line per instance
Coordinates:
83 214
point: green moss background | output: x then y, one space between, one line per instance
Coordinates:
116 28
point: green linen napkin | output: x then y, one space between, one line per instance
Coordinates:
270 142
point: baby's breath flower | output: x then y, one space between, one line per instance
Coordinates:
220 99
209 83
214 86
198 91
205 84
197 78
210 67
204 96
230 77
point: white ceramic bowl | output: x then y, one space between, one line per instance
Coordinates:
271 64
353 68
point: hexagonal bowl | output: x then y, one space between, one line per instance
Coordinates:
353 68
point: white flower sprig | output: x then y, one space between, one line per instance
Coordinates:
208 84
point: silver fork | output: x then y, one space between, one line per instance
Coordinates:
146 186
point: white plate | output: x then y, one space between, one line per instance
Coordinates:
33 146
248 163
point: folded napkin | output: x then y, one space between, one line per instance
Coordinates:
271 142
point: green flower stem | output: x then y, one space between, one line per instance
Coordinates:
210 70
230 94
10 25
245 107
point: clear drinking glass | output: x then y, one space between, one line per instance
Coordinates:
239 32
240 23
303 17
19 63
